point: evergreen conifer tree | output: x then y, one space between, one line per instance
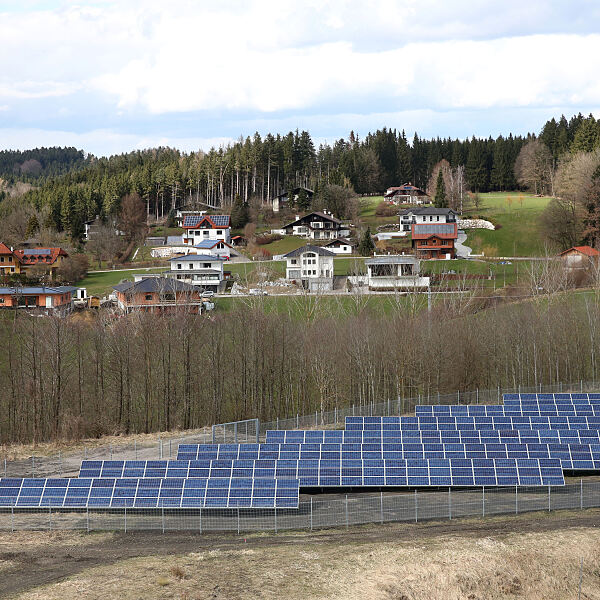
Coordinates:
366 246
239 213
440 200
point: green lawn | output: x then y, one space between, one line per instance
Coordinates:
518 215
100 284
284 245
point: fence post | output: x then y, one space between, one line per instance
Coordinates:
12 518
162 516
85 452
450 503
135 448
111 452
87 518
477 396
353 409
125 520
238 520
277 423
275 519
416 508
33 464
200 520
311 514
4 467
297 421
483 501
60 462
50 518
581 494
170 448
458 396
498 393
516 500
335 415
316 418
548 498
381 507
581 385
346 511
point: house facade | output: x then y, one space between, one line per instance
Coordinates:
340 246
311 267
14 262
197 228
45 300
406 194
580 258
395 272
158 294
430 214
203 271
317 226
434 240
282 200
183 212
214 248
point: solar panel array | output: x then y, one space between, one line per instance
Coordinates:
149 493
195 220
530 440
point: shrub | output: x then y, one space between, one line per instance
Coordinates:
386 210
267 238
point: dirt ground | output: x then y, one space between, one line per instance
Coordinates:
533 556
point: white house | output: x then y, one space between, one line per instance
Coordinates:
206 227
405 194
395 272
214 248
182 212
317 226
340 246
203 270
311 266
428 214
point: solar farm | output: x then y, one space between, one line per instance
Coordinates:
525 447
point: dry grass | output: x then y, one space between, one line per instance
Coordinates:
542 565
20 451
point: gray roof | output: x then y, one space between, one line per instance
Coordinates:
308 248
392 259
61 289
154 284
196 258
433 228
427 210
318 213
174 240
340 241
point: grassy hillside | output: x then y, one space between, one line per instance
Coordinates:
100 284
517 214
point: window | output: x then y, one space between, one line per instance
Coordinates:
206 265
293 261
179 265
1 258
219 232
148 297
206 233
437 218
190 265
1 300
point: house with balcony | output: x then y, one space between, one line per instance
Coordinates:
317 226
15 262
311 267
39 300
406 194
340 246
203 271
158 294
395 272
426 214
214 248
434 240
197 228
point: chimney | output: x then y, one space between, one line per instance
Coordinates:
297 217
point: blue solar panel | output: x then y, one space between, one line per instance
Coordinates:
195 220
343 472
472 422
149 493
559 399
523 409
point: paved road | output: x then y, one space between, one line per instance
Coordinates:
462 251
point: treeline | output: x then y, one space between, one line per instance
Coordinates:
70 378
257 169
39 164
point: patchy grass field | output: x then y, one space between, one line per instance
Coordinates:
518 213
100 284
535 556
284 245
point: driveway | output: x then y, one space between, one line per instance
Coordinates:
462 251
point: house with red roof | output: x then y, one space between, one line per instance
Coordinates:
406 194
434 240
580 257
197 228
14 262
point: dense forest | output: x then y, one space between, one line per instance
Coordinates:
256 169
143 373
41 163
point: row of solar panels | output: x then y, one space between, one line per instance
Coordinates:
473 422
320 473
531 436
150 493
579 458
499 410
573 398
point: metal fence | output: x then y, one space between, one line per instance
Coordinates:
402 406
66 464
237 432
415 506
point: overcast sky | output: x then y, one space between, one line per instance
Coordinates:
115 75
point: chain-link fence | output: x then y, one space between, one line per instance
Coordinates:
401 406
66 464
237 432
343 511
